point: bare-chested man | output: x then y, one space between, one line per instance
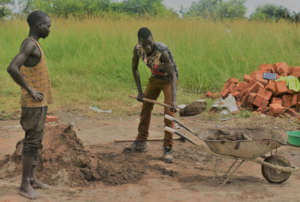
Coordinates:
29 70
159 59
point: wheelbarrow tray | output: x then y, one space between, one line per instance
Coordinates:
245 149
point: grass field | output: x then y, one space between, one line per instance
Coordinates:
90 60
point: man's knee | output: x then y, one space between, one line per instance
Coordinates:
33 142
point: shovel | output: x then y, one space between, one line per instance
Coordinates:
192 109
155 102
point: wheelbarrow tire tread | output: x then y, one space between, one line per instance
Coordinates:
270 174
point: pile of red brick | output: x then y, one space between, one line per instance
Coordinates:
266 96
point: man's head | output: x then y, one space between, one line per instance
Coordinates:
146 39
39 22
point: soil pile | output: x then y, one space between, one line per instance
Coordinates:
233 134
65 161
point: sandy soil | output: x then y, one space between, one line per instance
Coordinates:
189 178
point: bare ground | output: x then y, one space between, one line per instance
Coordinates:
189 178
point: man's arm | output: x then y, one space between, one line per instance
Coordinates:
14 69
168 66
136 74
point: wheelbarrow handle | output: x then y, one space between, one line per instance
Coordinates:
171 118
170 130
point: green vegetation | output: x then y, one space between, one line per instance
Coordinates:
90 60
4 10
218 9
94 8
274 13
207 9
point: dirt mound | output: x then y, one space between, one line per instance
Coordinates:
65 161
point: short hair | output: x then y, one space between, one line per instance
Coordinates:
35 16
144 33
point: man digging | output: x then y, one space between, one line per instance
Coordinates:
29 70
159 59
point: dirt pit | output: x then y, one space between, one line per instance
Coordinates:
65 161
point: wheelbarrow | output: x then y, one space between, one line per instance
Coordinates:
275 169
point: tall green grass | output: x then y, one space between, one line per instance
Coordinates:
90 60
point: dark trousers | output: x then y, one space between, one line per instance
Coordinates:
154 87
33 123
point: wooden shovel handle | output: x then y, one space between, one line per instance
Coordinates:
154 102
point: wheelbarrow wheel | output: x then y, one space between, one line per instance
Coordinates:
272 175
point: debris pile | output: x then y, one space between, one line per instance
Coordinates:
266 95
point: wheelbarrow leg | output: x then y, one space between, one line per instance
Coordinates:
216 167
230 168
234 170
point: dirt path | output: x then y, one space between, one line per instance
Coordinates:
190 178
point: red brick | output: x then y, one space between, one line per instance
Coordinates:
215 95
226 85
242 85
209 94
281 87
231 87
225 93
276 108
251 98
245 92
254 88
287 100
267 68
295 71
294 100
268 94
260 101
257 75
247 78
236 94
230 81
244 101
282 68
264 82
264 93
234 88
277 100
298 106
271 86
51 119
234 80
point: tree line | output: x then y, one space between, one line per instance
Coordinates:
208 9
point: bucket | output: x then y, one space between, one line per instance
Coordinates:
294 138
